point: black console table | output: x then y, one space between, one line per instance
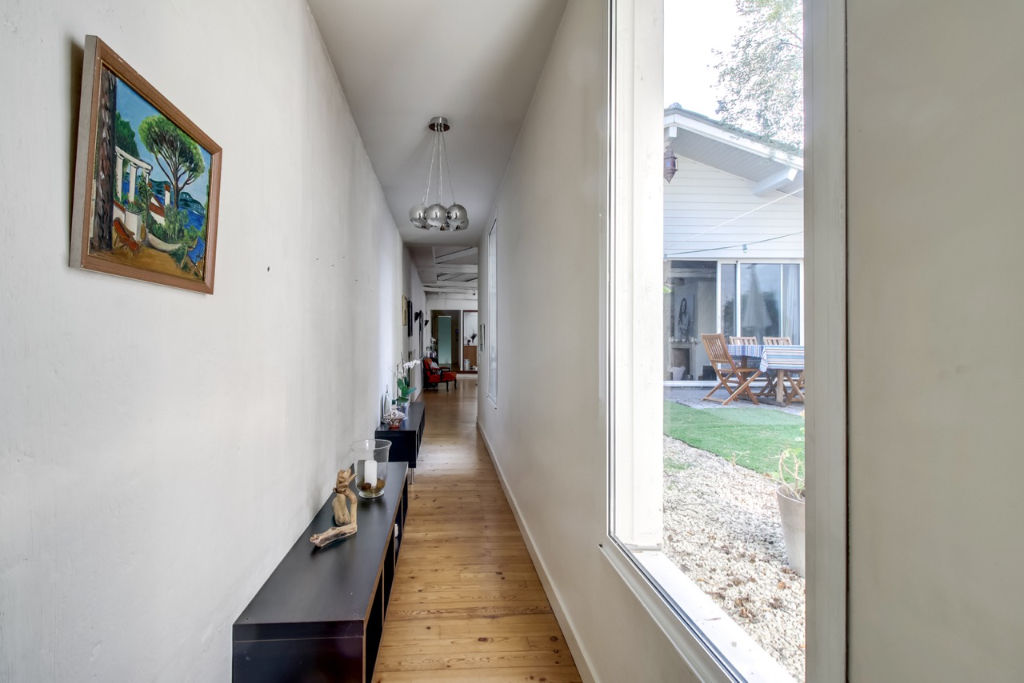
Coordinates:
405 441
320 615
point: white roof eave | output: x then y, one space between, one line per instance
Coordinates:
678 119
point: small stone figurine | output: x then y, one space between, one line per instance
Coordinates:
345 508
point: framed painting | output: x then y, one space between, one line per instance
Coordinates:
147 181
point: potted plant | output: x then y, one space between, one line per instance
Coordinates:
791 496
404 384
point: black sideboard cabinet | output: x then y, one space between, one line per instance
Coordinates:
405 441
320 615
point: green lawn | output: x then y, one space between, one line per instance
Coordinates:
751 437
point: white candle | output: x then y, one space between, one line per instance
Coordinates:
370 472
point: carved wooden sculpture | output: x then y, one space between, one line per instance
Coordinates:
345 506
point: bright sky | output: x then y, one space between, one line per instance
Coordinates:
692 29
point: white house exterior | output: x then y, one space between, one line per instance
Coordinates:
733 240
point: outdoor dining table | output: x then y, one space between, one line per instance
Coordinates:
778 359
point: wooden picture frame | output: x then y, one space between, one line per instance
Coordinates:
147 181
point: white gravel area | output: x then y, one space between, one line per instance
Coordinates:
722 529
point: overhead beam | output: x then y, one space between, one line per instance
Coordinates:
451 277
453 255
450 287
453 268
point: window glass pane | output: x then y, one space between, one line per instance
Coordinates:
791 302
444 339
761 296
694 485
728 299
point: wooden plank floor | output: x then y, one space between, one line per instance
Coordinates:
467 604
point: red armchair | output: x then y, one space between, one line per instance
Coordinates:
434 374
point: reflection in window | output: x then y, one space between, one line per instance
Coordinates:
728 299
760 292
770 300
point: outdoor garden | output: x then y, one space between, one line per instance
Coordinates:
722 521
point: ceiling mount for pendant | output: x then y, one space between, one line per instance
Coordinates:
436 215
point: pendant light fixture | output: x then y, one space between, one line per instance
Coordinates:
432 213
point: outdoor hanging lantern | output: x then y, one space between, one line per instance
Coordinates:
670 164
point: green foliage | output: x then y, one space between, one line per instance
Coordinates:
761 76
124 135
750 437
176 223
179 256
159 231
176 153
404 390
791 472
141 203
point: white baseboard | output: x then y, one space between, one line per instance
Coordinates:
579 655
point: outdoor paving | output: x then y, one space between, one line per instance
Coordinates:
691 396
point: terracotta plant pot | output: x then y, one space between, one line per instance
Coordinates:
793 529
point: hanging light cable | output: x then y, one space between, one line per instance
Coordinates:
458 217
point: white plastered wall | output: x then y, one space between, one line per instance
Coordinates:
546 433
413 289
160 450
935 283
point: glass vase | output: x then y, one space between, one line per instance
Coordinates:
371 463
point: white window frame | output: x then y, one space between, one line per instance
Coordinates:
492 314
635 77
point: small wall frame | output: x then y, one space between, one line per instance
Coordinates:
147 181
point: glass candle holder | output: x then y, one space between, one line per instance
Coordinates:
371 463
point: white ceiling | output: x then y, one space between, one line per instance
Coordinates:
403 61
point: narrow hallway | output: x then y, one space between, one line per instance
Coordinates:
467 604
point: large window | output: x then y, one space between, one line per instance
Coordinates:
680 468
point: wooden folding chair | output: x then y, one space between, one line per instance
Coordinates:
793 385
743 341
734 379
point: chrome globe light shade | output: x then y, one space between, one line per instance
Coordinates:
437 216
418 216
433 212
458 218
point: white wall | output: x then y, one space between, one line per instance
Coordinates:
549 354
935 278
160 450
413 290
711 214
